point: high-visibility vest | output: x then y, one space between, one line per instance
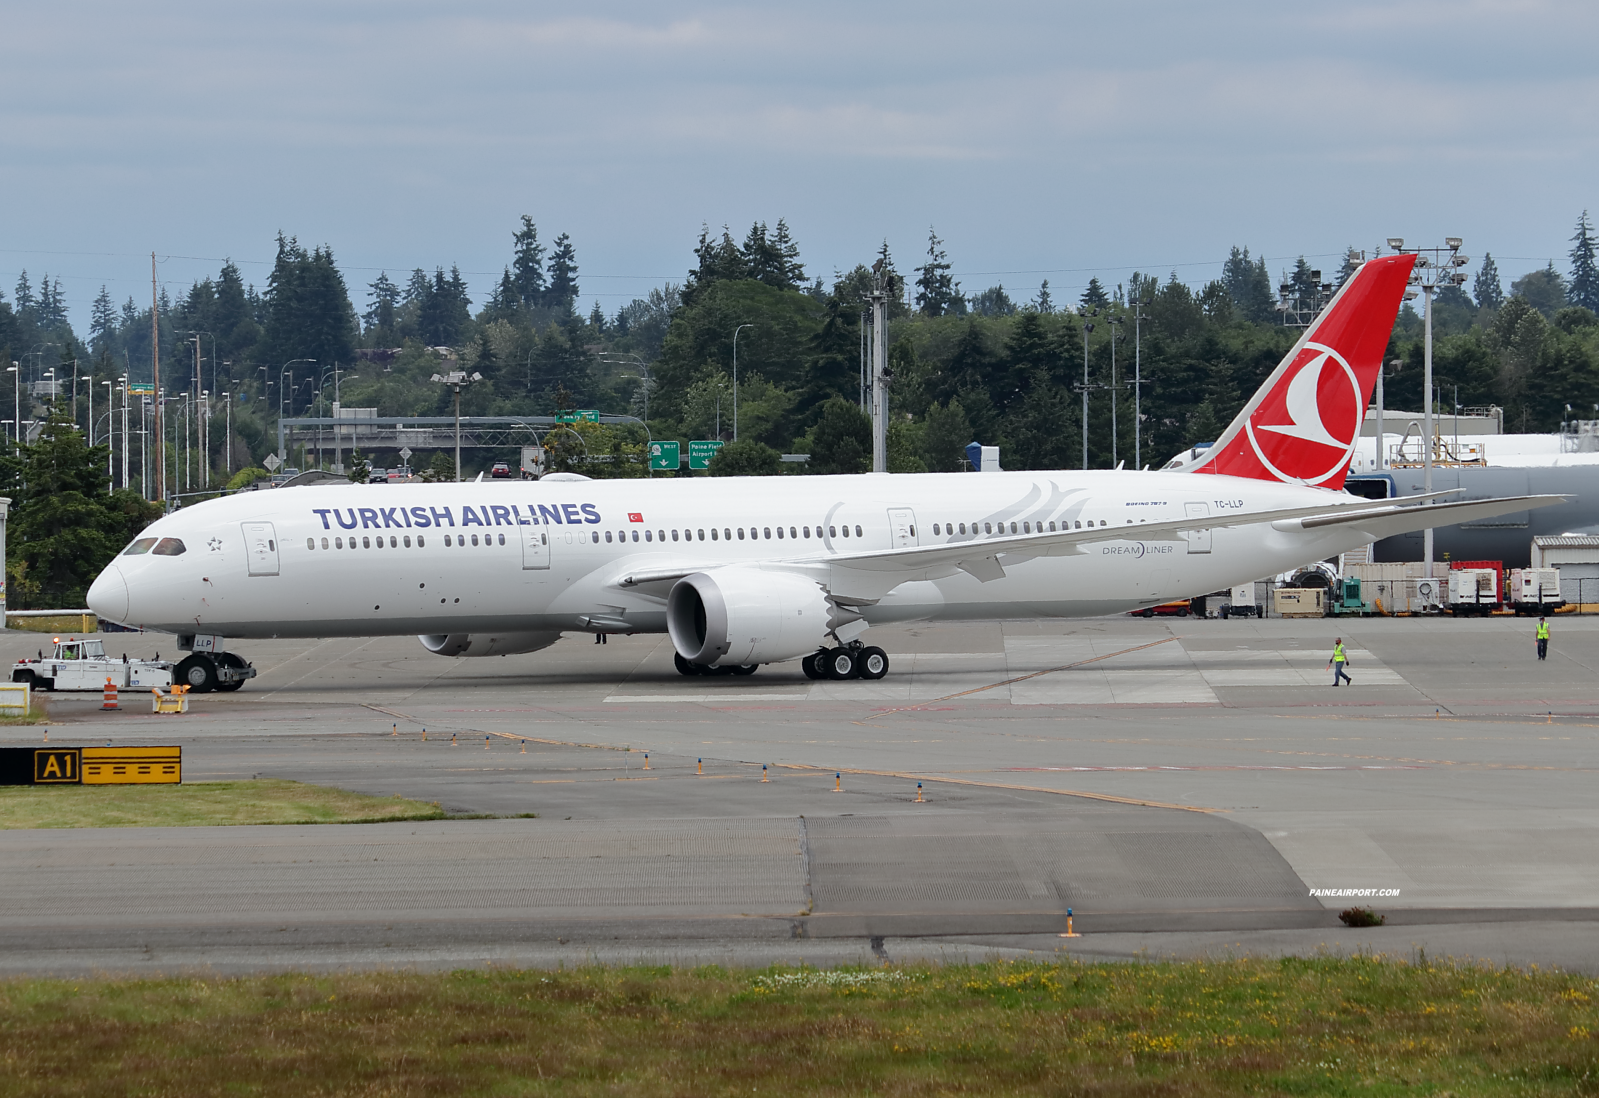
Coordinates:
1338 653
1543 630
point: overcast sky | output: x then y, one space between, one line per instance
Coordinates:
1047 140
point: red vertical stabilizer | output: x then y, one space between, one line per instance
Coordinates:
1302 425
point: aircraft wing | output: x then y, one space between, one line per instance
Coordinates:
1387 522
866 577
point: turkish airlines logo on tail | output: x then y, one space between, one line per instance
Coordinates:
1305 431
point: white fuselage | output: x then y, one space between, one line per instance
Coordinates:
527 556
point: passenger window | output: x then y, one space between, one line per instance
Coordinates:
474 539
143 545
596 537
844 530
858 532
596 534
1102 522
768 532
338 543
674 535
963 527
310 543
988 528
727 535
935 529
1027 528
168 547
607 537
832 532
714 535
741 533
421 541
791 533
366 543
702 535
1052 528
779 533
394 541
646 535
807 530
324 543
447 540
635 535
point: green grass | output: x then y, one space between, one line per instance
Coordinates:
197 804
1316 1026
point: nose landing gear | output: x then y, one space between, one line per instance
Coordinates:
203 673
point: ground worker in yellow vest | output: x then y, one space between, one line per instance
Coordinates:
1543 638
1338 661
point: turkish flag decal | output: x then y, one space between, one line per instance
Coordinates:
634 516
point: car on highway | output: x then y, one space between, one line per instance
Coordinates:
501 471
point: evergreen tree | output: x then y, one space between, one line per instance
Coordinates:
527 264
993 301
936 288
1544 290
563 289
793 271
1094 296
1043 302
1487 289
945 435
1350 265
842 439
1304 285
1583 289
417 288
309 311
23 298
102 323
1249 286
597 319
385 299
762 258
442 316
52 306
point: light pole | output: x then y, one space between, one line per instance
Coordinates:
1115 323
1434 268
1087 327
15 370
737 330
455 379
110 428
287 391
1139 305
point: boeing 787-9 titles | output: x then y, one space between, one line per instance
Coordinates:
746 571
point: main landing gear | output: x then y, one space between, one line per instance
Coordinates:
202 673
686 668
851 661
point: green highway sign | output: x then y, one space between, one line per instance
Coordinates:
141 388
701 451
665 455
588 415
592 415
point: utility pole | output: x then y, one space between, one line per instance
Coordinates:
227 443
1139 304
155 371
878 297
124 432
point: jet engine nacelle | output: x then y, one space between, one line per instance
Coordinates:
486 644
737 616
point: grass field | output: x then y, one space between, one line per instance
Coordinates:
195 804
1318 1026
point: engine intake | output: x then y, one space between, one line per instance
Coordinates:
737 616
486 644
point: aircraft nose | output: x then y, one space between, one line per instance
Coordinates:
108 595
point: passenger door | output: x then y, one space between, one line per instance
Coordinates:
1198 540
535 547
261 548
902 525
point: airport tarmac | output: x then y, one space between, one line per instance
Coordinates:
1182 785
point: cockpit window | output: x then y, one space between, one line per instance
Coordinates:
143 545
169 547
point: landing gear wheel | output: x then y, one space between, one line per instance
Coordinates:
720 669
746 669
684 667
873 663
197 672
812 664
230 660
840 664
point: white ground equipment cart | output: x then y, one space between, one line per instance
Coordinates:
75 664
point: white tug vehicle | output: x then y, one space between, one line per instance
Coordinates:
75 664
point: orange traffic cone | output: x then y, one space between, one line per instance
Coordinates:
110 701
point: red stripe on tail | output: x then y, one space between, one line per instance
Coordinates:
1301 426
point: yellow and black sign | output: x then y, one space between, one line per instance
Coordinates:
56 765
90 765
132 765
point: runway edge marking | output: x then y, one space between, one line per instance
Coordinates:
1001 785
